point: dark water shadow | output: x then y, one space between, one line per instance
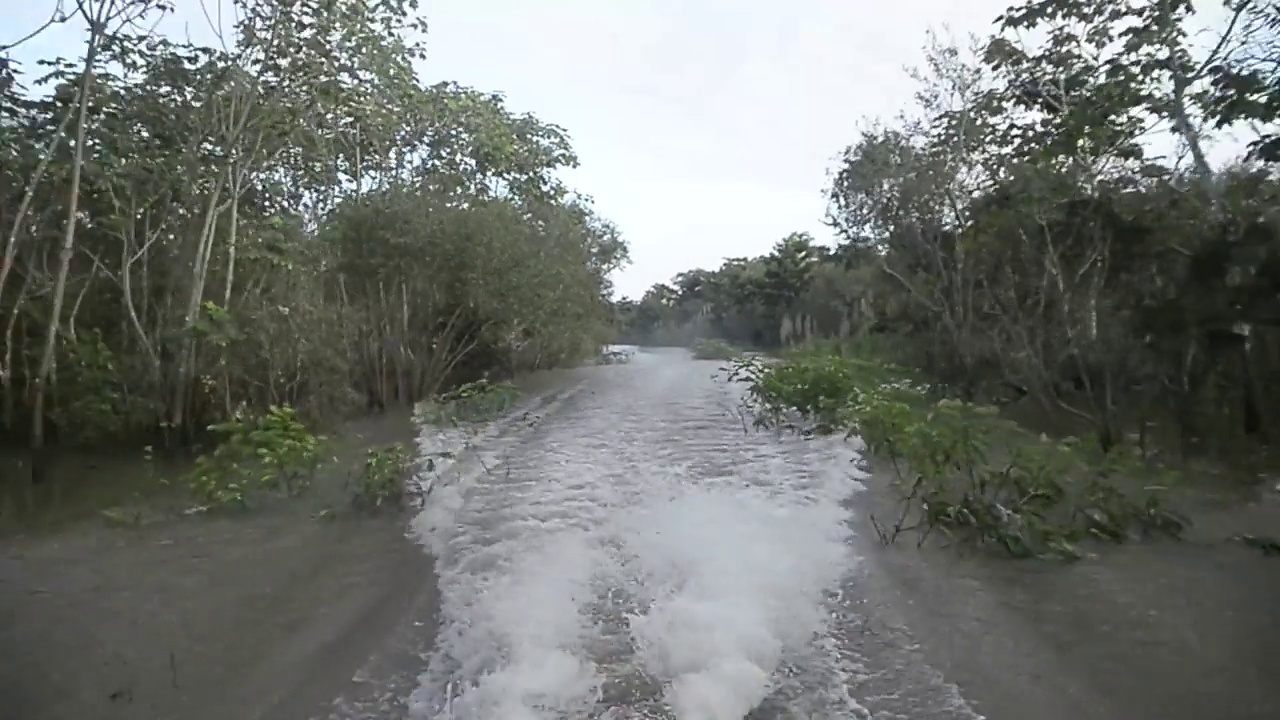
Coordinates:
131 487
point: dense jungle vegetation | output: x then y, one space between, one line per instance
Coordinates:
1016 238
290 218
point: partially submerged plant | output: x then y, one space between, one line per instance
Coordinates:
383 478
961 468
714 349
473 402
274 451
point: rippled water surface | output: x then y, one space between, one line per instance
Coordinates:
624 547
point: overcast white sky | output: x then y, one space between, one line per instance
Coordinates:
705 127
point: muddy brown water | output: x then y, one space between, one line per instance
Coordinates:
1159 629
275 614
264 614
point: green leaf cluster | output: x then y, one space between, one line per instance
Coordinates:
382 479
960 467
473 402
274 451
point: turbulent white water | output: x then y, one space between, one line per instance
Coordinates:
649 555
637 553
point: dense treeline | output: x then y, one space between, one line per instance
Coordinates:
291 217
1015 236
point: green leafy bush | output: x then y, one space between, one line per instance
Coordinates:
473 402
961 468
712 349
274 451
383 477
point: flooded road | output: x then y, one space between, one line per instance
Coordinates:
638 553
624 547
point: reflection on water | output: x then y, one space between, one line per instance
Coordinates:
78 485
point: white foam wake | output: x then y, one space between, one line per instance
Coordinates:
591 566
733 580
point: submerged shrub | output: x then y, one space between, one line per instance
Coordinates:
473 402
384 477
274 451
961 468
713 349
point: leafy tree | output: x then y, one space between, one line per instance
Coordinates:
291 219
1013 235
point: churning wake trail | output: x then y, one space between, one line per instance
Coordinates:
636 550
637 553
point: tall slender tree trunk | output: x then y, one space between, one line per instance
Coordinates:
199 273
6 372
38 390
